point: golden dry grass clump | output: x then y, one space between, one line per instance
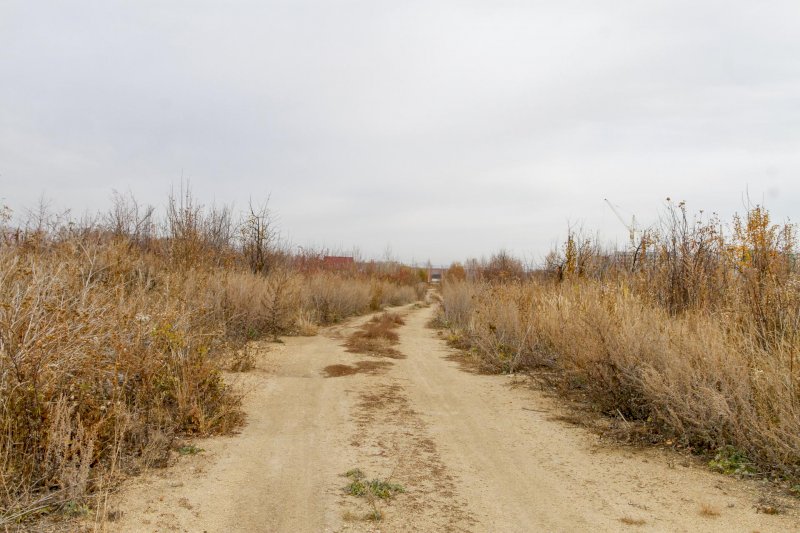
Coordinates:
695 333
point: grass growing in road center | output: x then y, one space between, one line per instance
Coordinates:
378 488
377 337
373 490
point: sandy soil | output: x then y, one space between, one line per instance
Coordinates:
473 453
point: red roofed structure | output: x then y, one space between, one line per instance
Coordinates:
338 261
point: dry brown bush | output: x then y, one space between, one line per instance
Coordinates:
101 364
331 298
458 304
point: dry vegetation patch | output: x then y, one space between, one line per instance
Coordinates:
709 511
365 367
691 337
392 438
377 337
114 333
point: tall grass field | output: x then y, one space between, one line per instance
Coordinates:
693 331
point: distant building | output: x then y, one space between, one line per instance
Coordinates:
435 275
338 262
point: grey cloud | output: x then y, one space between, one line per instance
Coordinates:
442 128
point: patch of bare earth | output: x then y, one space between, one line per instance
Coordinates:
366 367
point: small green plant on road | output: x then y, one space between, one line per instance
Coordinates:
373 490
189 449
381 489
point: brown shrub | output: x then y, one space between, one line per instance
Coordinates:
98 370
331 298
456 272
457 303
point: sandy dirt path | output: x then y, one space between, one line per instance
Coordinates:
473 453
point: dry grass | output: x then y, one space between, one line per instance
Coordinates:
698 342
709 511
102 364
305 326
377 337
113 336
331 298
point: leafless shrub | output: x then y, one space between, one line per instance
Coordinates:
128 220
504 267
259 238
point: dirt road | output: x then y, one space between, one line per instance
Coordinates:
473 453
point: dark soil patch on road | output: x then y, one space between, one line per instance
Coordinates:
377 337
365 367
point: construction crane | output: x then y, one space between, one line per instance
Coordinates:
632 230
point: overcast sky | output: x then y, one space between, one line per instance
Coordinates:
440 129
